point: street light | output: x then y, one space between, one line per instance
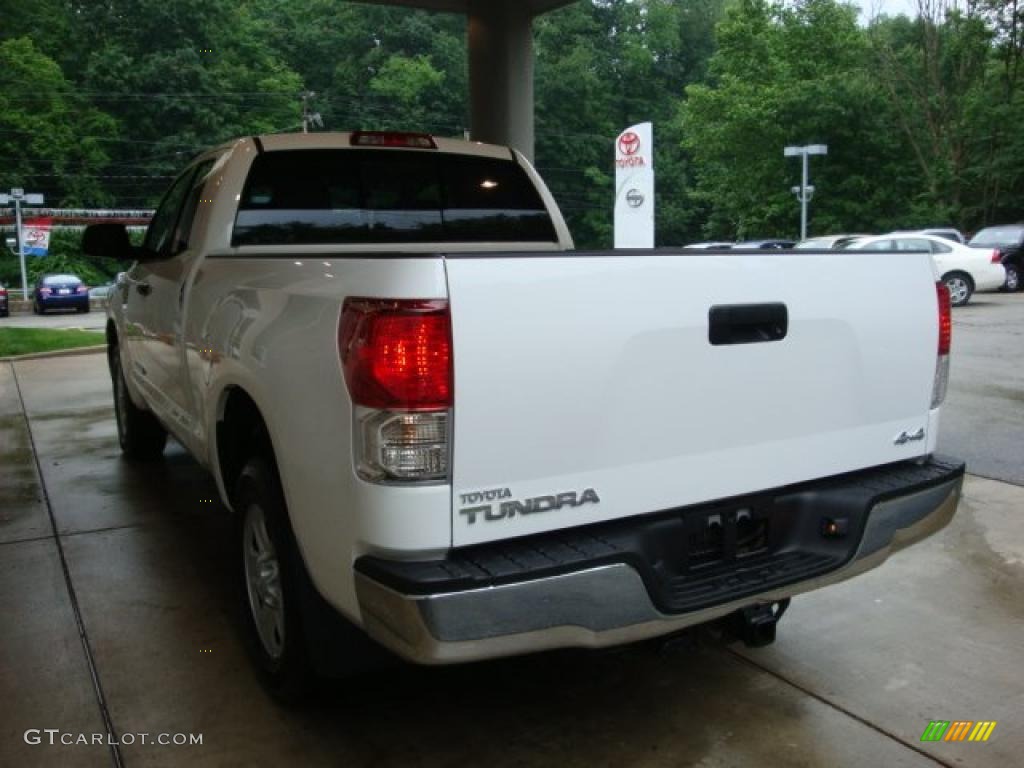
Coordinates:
804 192
18 196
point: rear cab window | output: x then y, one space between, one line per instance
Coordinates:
354 196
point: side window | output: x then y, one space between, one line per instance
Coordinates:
880 245
183 231
913 244
161 228
938 247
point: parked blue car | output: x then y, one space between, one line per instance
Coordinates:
60 292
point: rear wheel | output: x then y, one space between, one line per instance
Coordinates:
36 308
960 288
275 584
1012 278
141 436
83 310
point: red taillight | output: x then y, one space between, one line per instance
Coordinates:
397 353
3 291
997 257
45 291
82 289
945 319
393 139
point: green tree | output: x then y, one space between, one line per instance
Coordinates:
51 141
793 73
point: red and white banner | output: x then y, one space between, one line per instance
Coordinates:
634 187
37 236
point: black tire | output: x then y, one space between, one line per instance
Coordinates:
274 584
83 310
960 286
142 437
1012 283
36 309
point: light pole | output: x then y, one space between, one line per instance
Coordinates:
804 192
18 195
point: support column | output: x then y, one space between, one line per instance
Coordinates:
501 74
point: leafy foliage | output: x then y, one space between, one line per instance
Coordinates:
101 102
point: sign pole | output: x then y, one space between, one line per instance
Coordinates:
21 247
803 199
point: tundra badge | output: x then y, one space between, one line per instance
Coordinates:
502 510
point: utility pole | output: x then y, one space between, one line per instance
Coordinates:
309 118
805 191
18 195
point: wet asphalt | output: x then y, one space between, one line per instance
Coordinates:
119 614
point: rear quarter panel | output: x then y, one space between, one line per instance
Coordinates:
269 326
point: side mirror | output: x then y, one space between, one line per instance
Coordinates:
109 240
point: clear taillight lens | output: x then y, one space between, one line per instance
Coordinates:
402 446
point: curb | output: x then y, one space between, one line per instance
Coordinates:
73 352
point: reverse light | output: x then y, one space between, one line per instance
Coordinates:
402 446
392 139
997 257
397 361
941 382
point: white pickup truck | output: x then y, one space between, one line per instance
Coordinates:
443 428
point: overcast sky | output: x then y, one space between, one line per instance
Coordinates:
889 7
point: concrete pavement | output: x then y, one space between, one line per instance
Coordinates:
983 421
119 612
94 319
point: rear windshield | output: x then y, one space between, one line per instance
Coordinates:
998 236
56 279
350 196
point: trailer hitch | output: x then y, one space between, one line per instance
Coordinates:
755 624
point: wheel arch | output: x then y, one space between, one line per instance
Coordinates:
240 430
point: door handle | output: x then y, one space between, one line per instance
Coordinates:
144 288
747 323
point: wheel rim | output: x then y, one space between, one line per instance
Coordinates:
958 290
263 582
1012 279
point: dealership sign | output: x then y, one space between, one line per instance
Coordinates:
634 187
37 236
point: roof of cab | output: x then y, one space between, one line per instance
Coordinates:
273 142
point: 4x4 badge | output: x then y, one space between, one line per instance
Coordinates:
909 437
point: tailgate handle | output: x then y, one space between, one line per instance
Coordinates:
747 323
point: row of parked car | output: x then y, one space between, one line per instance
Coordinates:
989 261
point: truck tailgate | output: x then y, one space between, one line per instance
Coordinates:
587 386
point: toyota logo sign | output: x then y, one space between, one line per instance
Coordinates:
629 143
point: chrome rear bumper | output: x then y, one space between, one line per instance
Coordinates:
608 604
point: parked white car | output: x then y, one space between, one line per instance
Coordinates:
963 270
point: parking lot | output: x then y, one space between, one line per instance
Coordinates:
119 617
